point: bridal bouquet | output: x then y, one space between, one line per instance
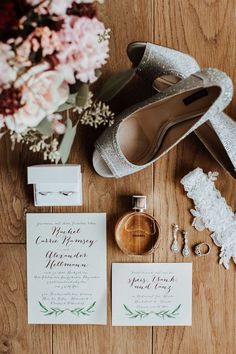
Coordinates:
50 53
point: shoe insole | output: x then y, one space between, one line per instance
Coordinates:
161 83
157 127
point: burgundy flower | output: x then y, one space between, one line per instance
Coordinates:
83 10
10 101
10 13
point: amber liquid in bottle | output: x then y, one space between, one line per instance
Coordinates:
137 233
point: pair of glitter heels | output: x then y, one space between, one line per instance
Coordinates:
188 100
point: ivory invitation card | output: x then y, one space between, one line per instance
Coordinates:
66 267
149 294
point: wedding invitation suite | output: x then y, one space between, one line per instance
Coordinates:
149 294
66 266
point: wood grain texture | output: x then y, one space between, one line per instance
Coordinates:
206 29
16 336
13 197
16 196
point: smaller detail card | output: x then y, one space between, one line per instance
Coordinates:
152 294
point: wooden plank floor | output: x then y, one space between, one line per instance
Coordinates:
206 29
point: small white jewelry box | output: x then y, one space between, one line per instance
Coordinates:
56 185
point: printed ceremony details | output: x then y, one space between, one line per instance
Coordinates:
66 283
152 294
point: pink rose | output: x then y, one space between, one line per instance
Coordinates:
42 94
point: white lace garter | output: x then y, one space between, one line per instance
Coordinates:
212 212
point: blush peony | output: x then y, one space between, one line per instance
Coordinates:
83 51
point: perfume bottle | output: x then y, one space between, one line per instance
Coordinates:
136 232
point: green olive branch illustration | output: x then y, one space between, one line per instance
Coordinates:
84 311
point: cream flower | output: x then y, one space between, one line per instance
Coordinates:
7 74
57 126
42 94
55 7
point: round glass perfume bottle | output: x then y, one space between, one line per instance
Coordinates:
136 232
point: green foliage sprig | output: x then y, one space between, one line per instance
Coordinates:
139 314
84 311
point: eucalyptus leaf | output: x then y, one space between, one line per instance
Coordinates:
64 107
98 73
45 127
71 99
115 84
82 95
68 104
67 141
74 88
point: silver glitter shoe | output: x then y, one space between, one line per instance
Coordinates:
148 130
163 67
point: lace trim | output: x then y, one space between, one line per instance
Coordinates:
212 212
